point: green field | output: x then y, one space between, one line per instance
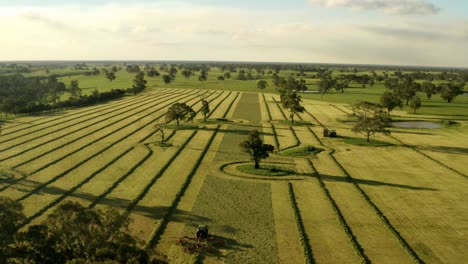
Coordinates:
400 199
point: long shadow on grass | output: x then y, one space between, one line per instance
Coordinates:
374 183
116 203
221 244
444 149
236 131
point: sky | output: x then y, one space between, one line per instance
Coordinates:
397 32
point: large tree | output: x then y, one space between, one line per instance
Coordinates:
448 91
139 83
390 100
205 109
74 89
370 119
71 234
292 102
262 84
325 84
255 147
415 103
167 78
178 112
110 76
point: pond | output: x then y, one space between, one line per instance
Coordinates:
416 124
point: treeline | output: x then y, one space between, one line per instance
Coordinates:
21 95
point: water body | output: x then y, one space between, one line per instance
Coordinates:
416 124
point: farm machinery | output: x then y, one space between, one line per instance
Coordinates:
203 242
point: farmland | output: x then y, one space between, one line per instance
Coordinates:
400 203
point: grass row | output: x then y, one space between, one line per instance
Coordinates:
77 130
267 107
87 179
429 157
81 137
87 109
273 129
84 146
279 107
153 181
160 227
341 219
121 179
298 141
230 105
217 106
93 110
379 213
308 254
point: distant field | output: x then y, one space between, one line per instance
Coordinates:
402 203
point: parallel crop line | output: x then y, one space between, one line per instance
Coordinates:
92 132
379 213
349 233
100 108
156 234
87 179
160 227
125 176
304 239
87 159
74 131
267 107
279 107
74 124
429 157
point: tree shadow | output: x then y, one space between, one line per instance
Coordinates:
218 244
444 149
154 212
373 182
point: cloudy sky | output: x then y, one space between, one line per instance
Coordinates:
402 32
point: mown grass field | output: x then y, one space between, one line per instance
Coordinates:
404 202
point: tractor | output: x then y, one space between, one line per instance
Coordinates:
202 232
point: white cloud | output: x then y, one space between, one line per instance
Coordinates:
399 7
184 32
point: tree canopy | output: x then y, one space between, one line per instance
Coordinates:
71 234
178 112
370 119
255 147
292 102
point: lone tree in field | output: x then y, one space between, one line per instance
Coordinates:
139 83
205 109
390 100
291 101
255 147
370 119
161 130
110 76
262 84
415 103
167 78
178 112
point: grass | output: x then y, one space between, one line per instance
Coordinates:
363 142
380 200
302 151
264 170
